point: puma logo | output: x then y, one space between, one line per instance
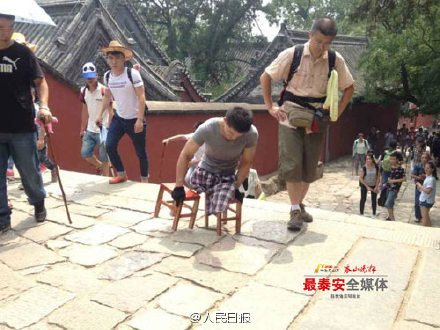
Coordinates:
7 59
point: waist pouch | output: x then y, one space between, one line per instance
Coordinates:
297 116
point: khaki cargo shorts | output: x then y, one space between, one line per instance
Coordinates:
299 154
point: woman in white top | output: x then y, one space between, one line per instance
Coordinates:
427 195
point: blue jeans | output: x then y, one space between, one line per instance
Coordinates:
116 131
23 149
89 141
391 197
385 176
417 204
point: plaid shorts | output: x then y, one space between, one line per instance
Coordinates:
219 189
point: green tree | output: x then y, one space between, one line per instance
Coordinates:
402 61
202 30
300 14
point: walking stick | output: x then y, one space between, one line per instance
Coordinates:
49 142
161 161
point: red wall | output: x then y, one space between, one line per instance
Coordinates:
64 103
360 118
420 120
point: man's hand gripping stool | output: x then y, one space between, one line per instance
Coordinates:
47 126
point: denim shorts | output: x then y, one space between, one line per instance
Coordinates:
391 197
426 204
89 141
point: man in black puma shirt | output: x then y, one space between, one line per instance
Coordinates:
19 70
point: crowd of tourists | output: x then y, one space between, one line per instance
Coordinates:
408 154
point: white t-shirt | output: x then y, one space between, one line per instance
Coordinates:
124 93
93 101
361 147
429 182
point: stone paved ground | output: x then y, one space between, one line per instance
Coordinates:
117 267
339 191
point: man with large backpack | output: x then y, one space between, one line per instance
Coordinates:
91 98
305 70
360 149
126 87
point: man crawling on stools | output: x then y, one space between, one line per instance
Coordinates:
229 141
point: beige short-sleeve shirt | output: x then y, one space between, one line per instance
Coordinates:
311 76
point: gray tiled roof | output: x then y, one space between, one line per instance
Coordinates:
83 27
248 89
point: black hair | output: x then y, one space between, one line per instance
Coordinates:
325 25
239 119
370 154
393 144
9 17
434 169
395 154
197 124
115 53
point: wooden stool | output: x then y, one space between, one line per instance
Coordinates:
191 196
223 217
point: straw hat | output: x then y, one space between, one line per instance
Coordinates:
115 46
21 39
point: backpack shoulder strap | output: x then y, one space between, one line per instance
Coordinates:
331 61
83 94
297 55
106 77
130 77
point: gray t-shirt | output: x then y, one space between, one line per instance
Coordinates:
221 155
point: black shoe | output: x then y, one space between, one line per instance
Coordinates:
40 211
5 228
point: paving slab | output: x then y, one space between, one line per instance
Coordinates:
27 254
288 269
374 307
149 227
88 255
128 240
57 244
44 232
267 307
10 237
83 314
59 215
133 204
32 306
144 320
71 278
12 283
269 230
229 254
127 264
166 245
196 236
87 210
186 298
211 277
130 294
98 234
22 220
124 218
423 303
